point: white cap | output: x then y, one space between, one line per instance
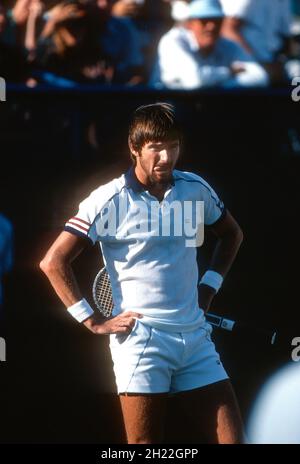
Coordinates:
201 9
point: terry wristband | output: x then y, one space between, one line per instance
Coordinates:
80 310
212 279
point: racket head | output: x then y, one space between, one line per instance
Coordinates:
102 293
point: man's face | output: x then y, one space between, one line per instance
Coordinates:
156 161
206 31
104 5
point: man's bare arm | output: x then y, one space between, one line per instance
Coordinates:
57 266
230 237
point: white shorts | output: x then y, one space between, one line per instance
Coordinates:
149 360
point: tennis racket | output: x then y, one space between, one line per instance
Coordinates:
102 295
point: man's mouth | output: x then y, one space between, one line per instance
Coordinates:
162 169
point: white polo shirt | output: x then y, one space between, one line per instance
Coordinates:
146 245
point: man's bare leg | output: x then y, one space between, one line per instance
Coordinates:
144 417
213 412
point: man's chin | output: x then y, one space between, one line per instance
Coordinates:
162 177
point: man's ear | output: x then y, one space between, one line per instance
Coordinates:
133 152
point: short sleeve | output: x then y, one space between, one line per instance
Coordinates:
94 212
214 208
83 223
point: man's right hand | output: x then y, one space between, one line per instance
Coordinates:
237 67
125 8
123 323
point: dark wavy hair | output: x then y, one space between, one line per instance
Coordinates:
153 123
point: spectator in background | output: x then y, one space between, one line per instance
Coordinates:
263 29
120 42
193 55
34 20
69 47
127 8
22 23
82 43
2 19
17 17
149 20
6 260
13 65
296 7
295 28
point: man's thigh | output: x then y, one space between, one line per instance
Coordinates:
212 413
144 416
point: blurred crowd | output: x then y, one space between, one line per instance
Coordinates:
159 43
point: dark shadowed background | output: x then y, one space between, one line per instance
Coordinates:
57 383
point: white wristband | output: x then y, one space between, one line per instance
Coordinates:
212 279
80 310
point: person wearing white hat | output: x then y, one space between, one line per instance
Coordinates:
193 55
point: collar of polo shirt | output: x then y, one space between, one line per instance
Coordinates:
131 181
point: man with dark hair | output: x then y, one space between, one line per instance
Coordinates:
159 339
149 124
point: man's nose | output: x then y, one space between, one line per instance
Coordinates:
210 25
165 156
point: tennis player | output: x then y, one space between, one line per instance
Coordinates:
159 339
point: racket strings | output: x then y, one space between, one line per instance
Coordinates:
104 294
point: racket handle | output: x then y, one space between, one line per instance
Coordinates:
220 322
241 329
